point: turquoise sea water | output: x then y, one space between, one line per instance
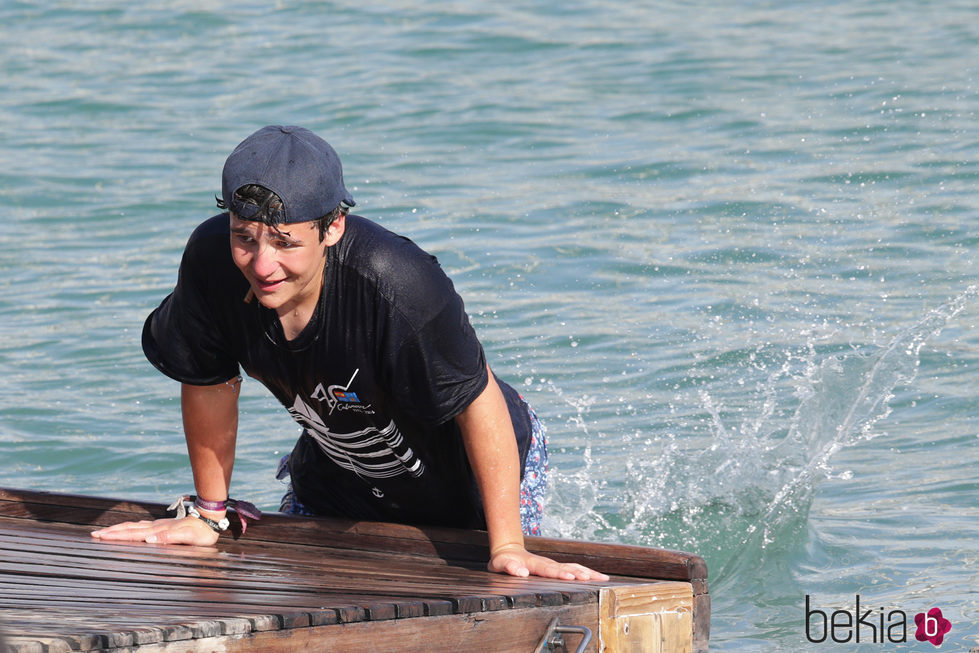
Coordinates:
727 250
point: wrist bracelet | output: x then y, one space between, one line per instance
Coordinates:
216 526
241 508
213 506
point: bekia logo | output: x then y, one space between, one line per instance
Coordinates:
869 625
932 626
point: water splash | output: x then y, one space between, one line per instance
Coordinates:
574 490
875 378
739 496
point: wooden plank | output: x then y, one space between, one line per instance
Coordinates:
96 557
656 618
176 584
701 619
64 569
258 576
450 544
513 630
290 576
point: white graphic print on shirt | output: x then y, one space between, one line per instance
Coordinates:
370 452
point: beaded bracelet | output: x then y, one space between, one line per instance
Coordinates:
216 526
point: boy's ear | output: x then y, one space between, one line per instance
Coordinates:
335 230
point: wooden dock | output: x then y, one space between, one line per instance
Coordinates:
301 584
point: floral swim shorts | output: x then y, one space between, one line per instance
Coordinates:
534 481
532 486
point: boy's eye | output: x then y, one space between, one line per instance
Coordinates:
278 243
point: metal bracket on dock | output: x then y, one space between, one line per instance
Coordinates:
553 641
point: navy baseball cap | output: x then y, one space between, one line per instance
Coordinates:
292 162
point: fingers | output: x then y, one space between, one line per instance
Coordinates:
188 530
524 563
505 564
515 567
130 531
582 572
574 571
509 563
548 568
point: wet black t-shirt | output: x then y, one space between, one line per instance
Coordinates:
388 359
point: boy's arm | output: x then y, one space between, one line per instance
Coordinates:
210 416
492 450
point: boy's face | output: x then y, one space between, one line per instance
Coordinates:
284 264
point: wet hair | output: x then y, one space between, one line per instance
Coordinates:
270 210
